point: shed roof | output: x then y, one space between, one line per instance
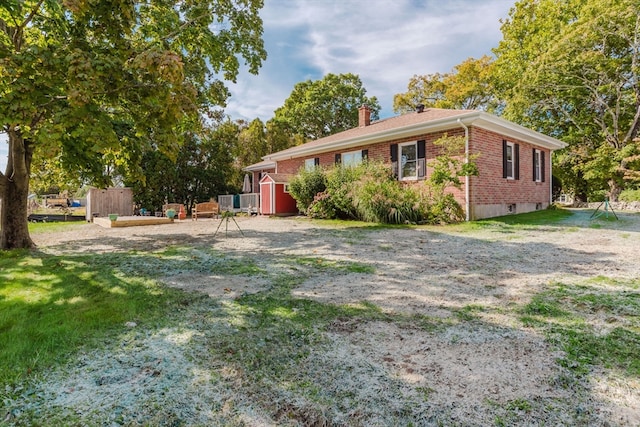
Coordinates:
278 178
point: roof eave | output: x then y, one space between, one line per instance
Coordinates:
513 130
382 136
473 118
258 167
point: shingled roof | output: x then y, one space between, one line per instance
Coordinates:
416 123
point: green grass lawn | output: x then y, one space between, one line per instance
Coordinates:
52 305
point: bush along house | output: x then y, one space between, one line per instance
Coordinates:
514 163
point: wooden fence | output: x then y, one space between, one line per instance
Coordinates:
102 202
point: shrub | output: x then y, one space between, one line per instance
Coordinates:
305 185
370 192
322 207
445 210
630 196
340 185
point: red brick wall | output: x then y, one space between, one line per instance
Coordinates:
379 151
256 176
490 187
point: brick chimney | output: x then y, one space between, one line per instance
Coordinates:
364 116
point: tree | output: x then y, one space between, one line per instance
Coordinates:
202 169
316 109
469 86
257 139
279 137
571 69
252 144
82 83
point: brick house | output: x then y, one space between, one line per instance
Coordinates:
514 162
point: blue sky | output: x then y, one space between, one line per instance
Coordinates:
384 42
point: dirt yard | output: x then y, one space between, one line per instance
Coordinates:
486 369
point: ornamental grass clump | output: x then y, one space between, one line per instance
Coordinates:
387 201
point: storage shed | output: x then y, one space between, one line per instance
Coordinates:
274 195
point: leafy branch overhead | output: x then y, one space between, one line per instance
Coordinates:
81 83
468 86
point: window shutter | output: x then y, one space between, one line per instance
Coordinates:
394 159
533 163
421 164
516 161
338 158
504 158
542 165
421 149
365 155
316 161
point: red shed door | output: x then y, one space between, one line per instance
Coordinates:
267 196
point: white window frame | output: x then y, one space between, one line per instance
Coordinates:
352 158
511 171
310 164
401 164
537 165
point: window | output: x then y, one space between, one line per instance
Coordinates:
408 161
310 164
538 165
352 158
510 160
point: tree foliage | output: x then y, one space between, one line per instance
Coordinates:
571 69
202 169
82 83
316 109
468 86
256 139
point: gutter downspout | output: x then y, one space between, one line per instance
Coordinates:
551 177
466 180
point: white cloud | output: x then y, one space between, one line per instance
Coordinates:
384 42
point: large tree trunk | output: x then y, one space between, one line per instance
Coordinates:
14 191
614 190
